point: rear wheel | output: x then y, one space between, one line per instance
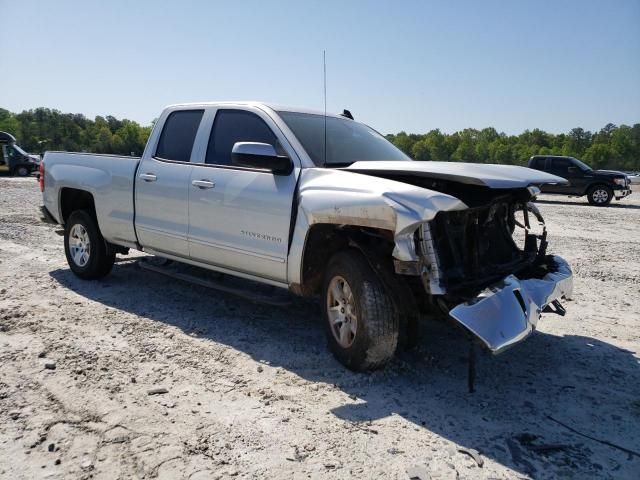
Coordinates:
85 248
361 321
600 195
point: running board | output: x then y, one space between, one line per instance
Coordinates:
246 289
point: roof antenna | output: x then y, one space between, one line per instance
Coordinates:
324 69
346 114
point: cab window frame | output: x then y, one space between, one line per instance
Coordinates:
156 156
211 139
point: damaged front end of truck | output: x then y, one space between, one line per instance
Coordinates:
490 269
487 265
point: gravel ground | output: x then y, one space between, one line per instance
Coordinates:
252 392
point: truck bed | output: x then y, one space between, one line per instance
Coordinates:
109 179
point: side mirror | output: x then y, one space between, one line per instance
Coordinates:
260 155
572 169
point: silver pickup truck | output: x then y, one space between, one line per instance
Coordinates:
319 205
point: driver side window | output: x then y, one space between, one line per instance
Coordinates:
231 126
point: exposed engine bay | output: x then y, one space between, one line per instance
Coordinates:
487 266
476 247
501 233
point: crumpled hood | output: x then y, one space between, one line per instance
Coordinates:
489 175
340 197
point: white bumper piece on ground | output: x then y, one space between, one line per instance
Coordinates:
507 312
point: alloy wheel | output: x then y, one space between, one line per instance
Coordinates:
341 310
79 245
600 195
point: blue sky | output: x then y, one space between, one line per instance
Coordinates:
399 65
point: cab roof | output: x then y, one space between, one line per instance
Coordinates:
271 106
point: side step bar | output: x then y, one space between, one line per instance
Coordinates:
251 291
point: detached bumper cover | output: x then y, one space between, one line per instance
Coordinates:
507 312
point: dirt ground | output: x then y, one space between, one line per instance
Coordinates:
252 391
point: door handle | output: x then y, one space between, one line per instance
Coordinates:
203 184
148 177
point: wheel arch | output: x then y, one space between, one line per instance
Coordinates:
323 240
72 199
596 183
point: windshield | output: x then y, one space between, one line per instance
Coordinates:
347 141
582 165
21 151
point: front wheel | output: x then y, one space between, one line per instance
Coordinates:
21 171
85 248
361 321
600 195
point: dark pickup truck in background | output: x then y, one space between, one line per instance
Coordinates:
13 159
600 186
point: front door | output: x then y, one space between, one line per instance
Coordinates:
162 186
239 218
559 166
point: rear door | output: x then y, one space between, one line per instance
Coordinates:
162 186
239 218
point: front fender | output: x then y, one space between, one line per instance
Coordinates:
338 197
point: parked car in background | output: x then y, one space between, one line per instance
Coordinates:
600 186
634 177
13 159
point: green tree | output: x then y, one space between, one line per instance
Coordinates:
613 146
599 155
420 150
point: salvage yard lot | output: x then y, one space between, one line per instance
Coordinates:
251 390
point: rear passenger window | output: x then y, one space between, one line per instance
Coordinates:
538 163
231 126
178 135
561 164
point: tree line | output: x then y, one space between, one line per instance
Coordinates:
613 147
44 129
616 147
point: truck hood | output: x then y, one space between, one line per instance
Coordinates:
488 175
608 173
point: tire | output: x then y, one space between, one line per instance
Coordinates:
85 248
600 195
21 171
367 336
